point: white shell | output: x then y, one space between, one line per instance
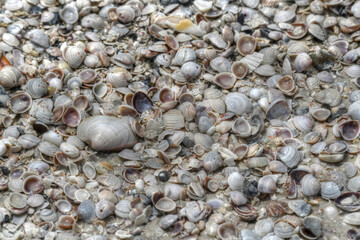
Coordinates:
105 133
238 103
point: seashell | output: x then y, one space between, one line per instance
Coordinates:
321 114
103 133
225 80
242 127
110 181
17 200
197 210
354 184
167 221
353 71
239 69
300 207
81 195
141 102
9 77
238 103
216 39
74 56
69 150
125 14
278 109
302 62
265 70
238 198
303 123
277 167
71 117
10 40
13 6
246 45
38 37
28 141
39 167
352 219
174 191
173 43
184 55
195 191
32 185
165 204
51 137
89 170
329 190
74 83
264 226
277 209
20 103
284 16
246 212
212 162
118 79
202 5
349 169
190 70
220 64
104 208
290 156
87 76
173 120
64 206
123 208
353 110
286 85
317 31
349 130
283 229
298 31
267 184
310 186
47 148
66 222
348 201
86 211
228 231
35 200
69 14
236 181
48 215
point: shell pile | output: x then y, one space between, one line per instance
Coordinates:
178 119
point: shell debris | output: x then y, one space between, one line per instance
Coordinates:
179 119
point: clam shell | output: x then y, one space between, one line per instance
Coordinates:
20 103
238 103
9 77
35 200
246 45
74 56
105 133
39 37
310 186
174 120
